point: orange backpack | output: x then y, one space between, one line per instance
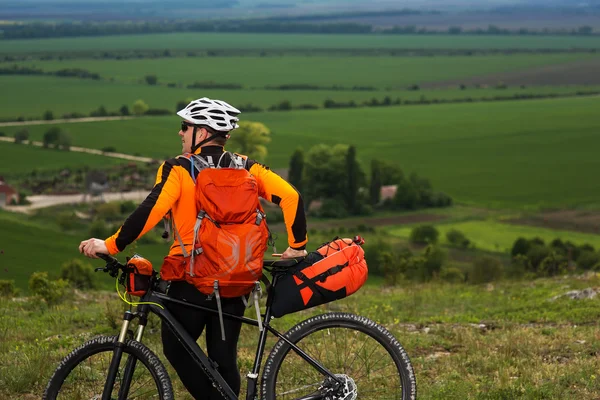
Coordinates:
230 234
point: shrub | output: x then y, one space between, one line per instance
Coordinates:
52 291
109 149
586 247
424 234
99 229
8 289
452 275
373 248
79 274
66 220
140 107
558 246
520 247
588 259
554 264
536 255
457 239
21 136
108 211
434 258
486 269
151 79
330 208
127 207
48 116
518 267
390 267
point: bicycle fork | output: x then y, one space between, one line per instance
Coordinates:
117 355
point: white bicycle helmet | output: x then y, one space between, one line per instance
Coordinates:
215 114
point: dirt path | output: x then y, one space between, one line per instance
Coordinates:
122 156
41 201
63 121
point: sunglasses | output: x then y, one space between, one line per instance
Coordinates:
184 125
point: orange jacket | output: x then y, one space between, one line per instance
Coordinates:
175 190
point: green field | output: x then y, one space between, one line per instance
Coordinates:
21 159
496 236
257 72
501 154
62 96
232 41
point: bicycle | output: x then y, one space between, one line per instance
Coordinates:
298 367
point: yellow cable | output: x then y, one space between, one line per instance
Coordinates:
134 303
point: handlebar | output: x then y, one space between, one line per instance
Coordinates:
112 265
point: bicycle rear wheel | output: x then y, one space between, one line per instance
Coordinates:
370 361
82 374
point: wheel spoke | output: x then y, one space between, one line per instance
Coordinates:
354 349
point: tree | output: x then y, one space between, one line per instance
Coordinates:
151 79
140 107
251 139
424 234
325 173
296 169
352 171
375 183
124 110
48 116
51 137
391 174
21 136
406 197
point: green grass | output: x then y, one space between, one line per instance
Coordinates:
62 96
256 72
494 235
517 154
232 41
528 348
21 159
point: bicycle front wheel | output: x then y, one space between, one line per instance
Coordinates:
83 373
363 354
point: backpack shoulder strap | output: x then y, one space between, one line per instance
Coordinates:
237 161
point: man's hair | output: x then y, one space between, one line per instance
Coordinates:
218 138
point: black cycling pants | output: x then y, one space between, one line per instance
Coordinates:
224 353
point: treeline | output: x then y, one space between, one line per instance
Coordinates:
65 72
253 52
71 29
140 108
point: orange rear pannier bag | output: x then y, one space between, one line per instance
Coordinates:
335 270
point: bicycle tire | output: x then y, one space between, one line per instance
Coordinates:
353 326
98 346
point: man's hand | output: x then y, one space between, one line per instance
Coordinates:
92 246
291 253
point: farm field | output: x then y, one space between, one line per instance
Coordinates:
500 154
21 159
62 96
493 235
257 72
233 41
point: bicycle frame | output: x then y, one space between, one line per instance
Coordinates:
193 349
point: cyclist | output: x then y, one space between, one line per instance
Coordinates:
205 128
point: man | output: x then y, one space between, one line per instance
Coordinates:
205 128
